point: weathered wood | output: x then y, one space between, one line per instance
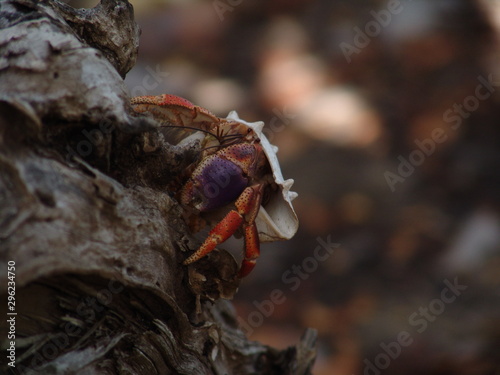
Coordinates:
84 213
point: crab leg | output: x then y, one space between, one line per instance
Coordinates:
252 243
247 208
217 235
252 250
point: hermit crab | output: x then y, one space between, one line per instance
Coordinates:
237 171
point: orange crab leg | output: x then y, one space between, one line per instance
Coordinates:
252 243
247 205
221 232
252 250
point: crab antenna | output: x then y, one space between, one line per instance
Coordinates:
190 128
220 137
236 137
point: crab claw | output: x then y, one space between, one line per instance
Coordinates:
247 207
174 109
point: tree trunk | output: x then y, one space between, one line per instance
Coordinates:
87 226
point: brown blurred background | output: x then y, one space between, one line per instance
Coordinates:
387 117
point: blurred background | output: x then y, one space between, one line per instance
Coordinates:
386 114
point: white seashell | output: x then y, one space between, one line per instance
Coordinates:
277 220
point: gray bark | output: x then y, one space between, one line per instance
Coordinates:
97 240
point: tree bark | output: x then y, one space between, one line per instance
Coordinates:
85 214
